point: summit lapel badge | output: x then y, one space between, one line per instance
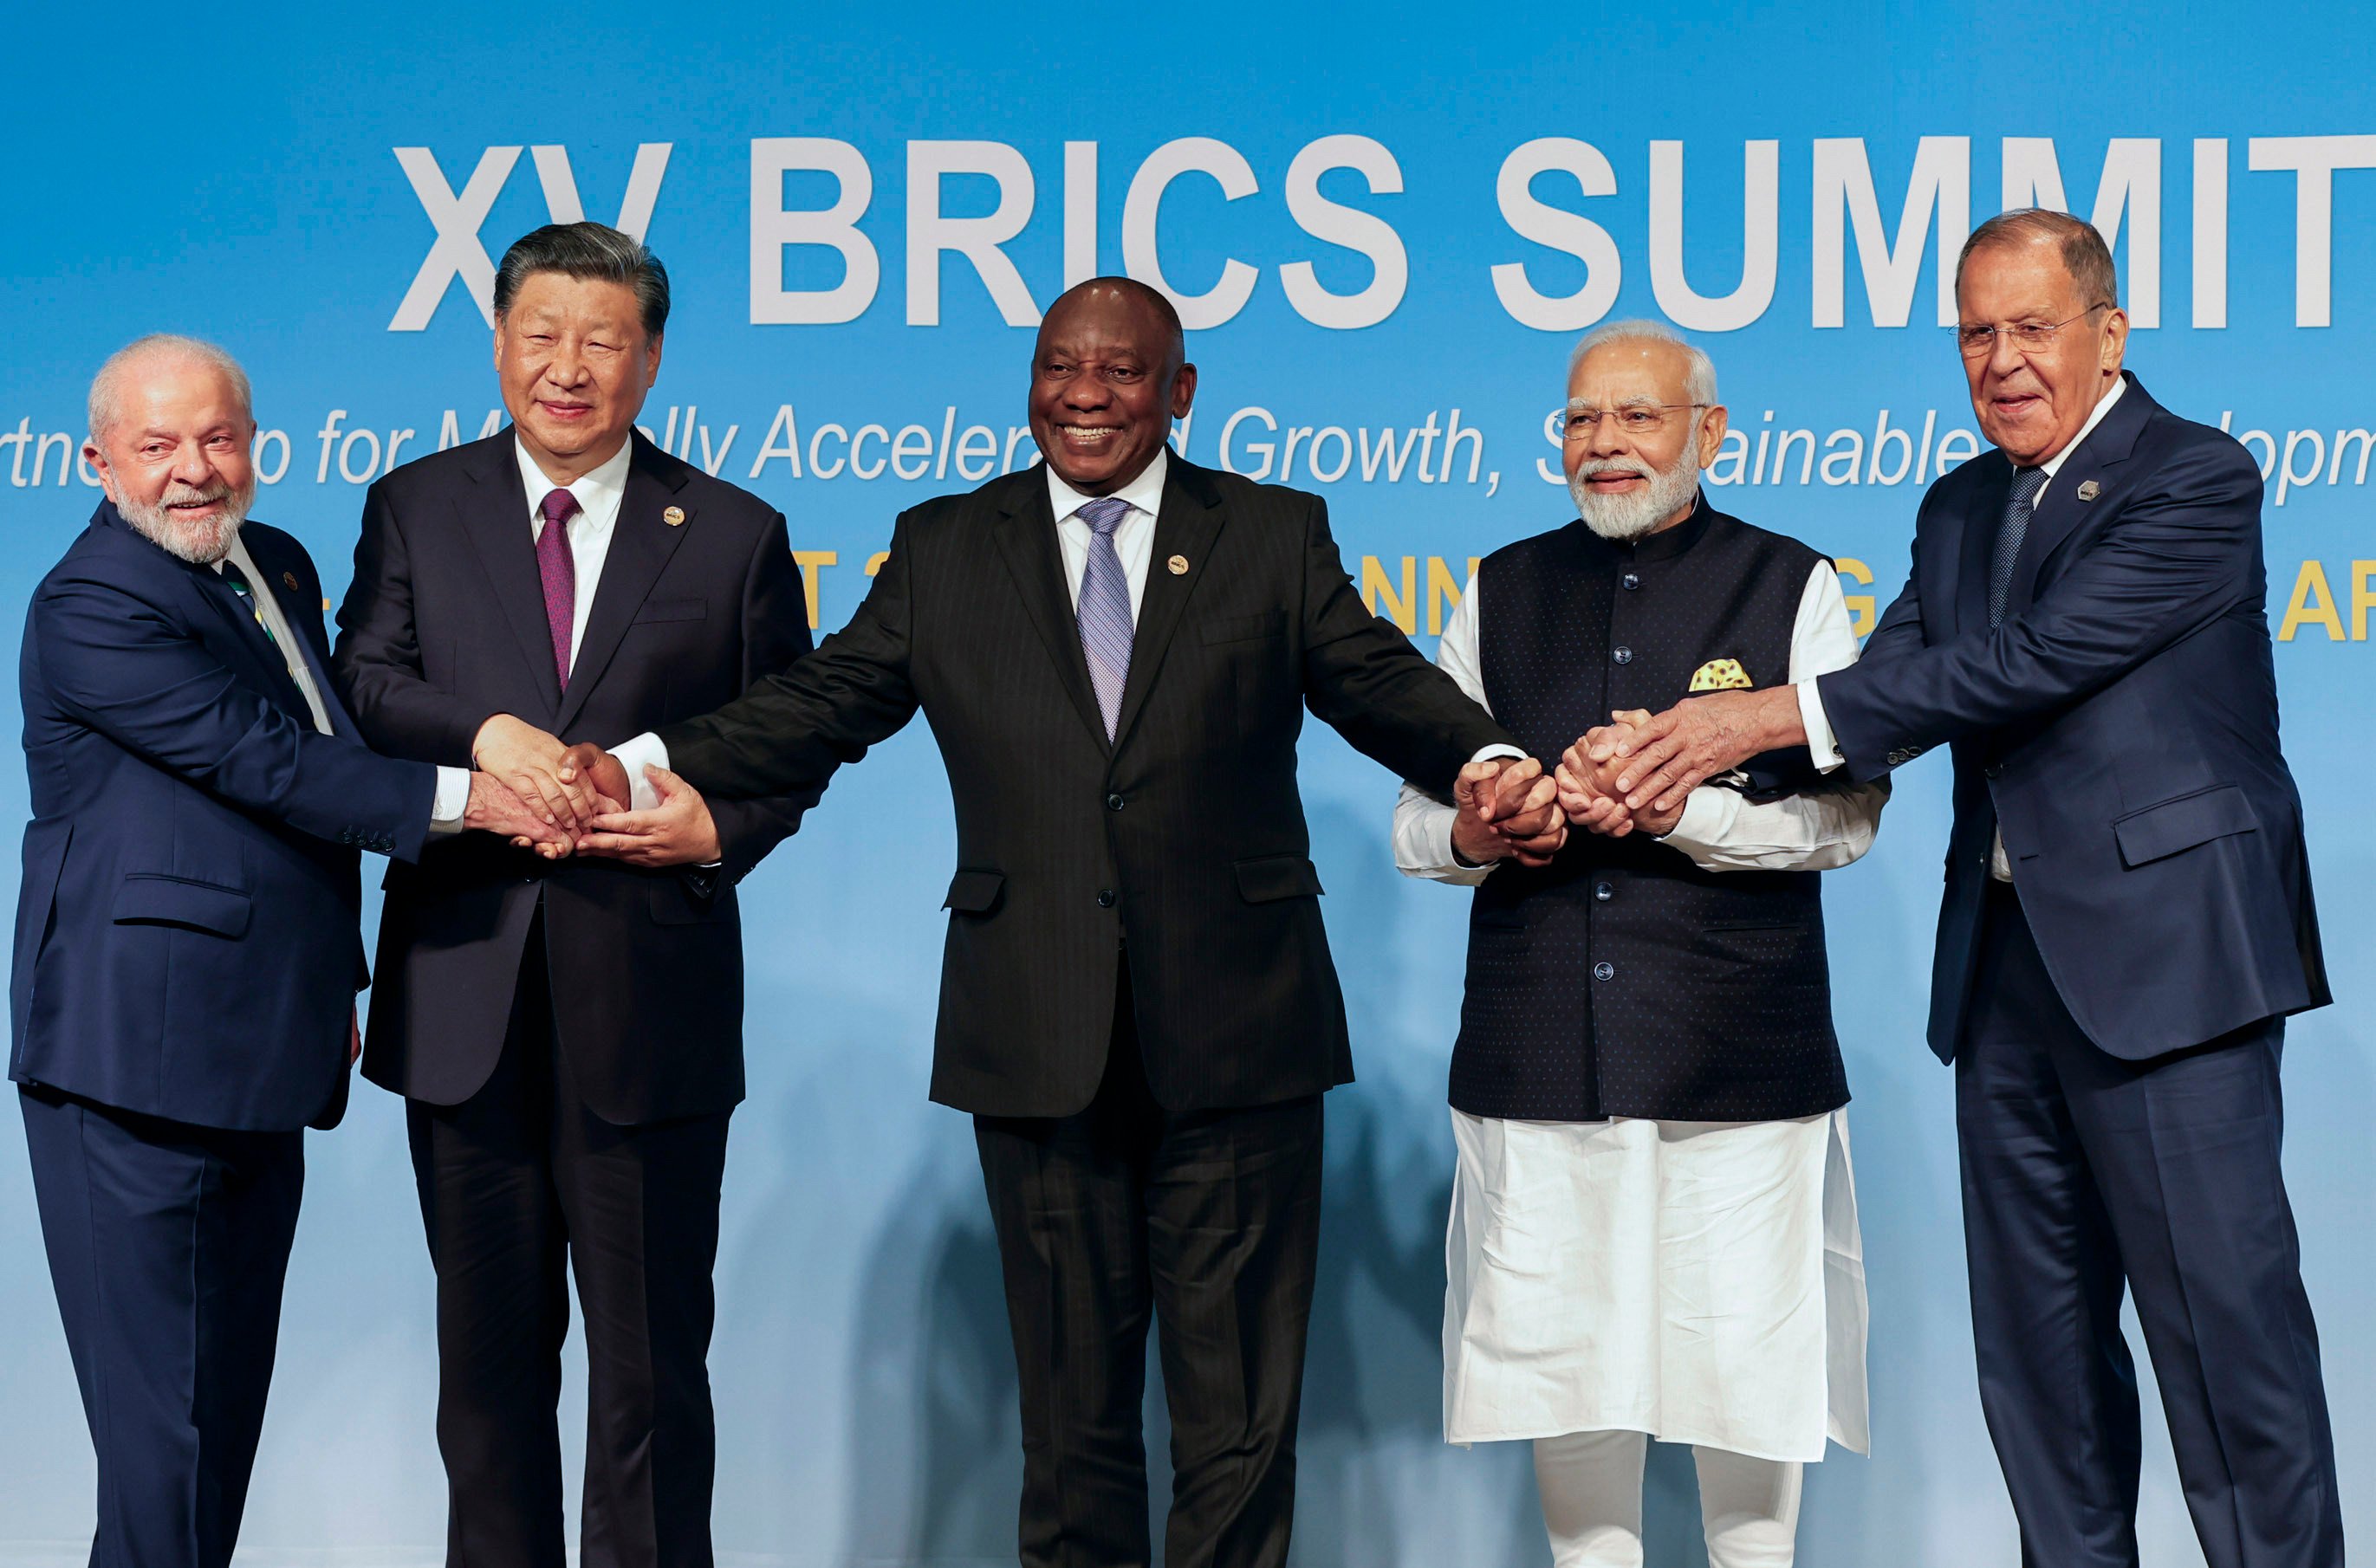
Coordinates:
289 577
1179 564
673 516
2089 490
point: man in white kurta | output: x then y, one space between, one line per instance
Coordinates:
1619 1271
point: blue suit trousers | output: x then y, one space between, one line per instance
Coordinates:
168 1246
2085 1177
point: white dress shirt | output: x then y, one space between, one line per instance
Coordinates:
1134 537
1720 829
1825 747
453 783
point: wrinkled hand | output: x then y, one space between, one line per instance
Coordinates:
606 774
1587 791
1507 809
1661 761
677 832
530 763
495 807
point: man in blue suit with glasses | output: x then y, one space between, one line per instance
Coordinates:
186 950
2127 920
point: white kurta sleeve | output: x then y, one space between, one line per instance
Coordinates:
1422 822
1818 829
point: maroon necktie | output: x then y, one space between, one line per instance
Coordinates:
558 570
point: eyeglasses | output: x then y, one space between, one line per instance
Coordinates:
1578 421
1979 342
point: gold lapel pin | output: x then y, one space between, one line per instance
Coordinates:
1179 564
673 516
289 577
2089 490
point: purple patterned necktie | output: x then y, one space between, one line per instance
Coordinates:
1103 612
558 570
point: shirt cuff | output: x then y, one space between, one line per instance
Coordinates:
1707 818
1821 743
1442 863
635 755
452 799
1490 753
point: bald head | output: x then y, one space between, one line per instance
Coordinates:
1122 296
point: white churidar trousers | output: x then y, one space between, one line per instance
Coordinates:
1591 1484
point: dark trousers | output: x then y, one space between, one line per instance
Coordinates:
519 1183
1211 1222
2085 1174
168 1246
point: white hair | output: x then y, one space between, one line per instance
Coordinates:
106 407
1699 379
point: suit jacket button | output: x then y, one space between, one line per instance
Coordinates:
1603 891
1604 970
1995 769
1623 656
1114 802
1630 580
1105 898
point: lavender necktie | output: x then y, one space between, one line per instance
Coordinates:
1104 614
558 569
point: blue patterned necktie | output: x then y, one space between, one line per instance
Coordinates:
1104 614
2011 528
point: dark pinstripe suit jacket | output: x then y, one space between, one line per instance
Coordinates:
1180 849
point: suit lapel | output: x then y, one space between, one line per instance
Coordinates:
1184 530
1982 512
642 541
494 517
2063 510
1027 539
305 624
247 637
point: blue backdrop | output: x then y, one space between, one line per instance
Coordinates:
1392 223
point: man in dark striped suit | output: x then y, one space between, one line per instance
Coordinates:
1137 1005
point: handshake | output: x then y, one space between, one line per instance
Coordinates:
1635 772
561 800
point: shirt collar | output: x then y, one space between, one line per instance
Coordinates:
1144 493
2095 417
605 483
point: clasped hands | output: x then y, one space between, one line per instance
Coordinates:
1639 770
561 800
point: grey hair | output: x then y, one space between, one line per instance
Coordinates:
591 253
1699 379
2085 255
106 406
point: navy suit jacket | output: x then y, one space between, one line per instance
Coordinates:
186 932
2121 725
443 626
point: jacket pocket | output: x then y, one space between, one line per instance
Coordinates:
672 610
1273 877
974 892
154 898
676 902
1244 628
2151 833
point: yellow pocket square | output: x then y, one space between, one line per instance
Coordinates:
1720 675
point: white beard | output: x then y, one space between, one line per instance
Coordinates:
1628 516
200 543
